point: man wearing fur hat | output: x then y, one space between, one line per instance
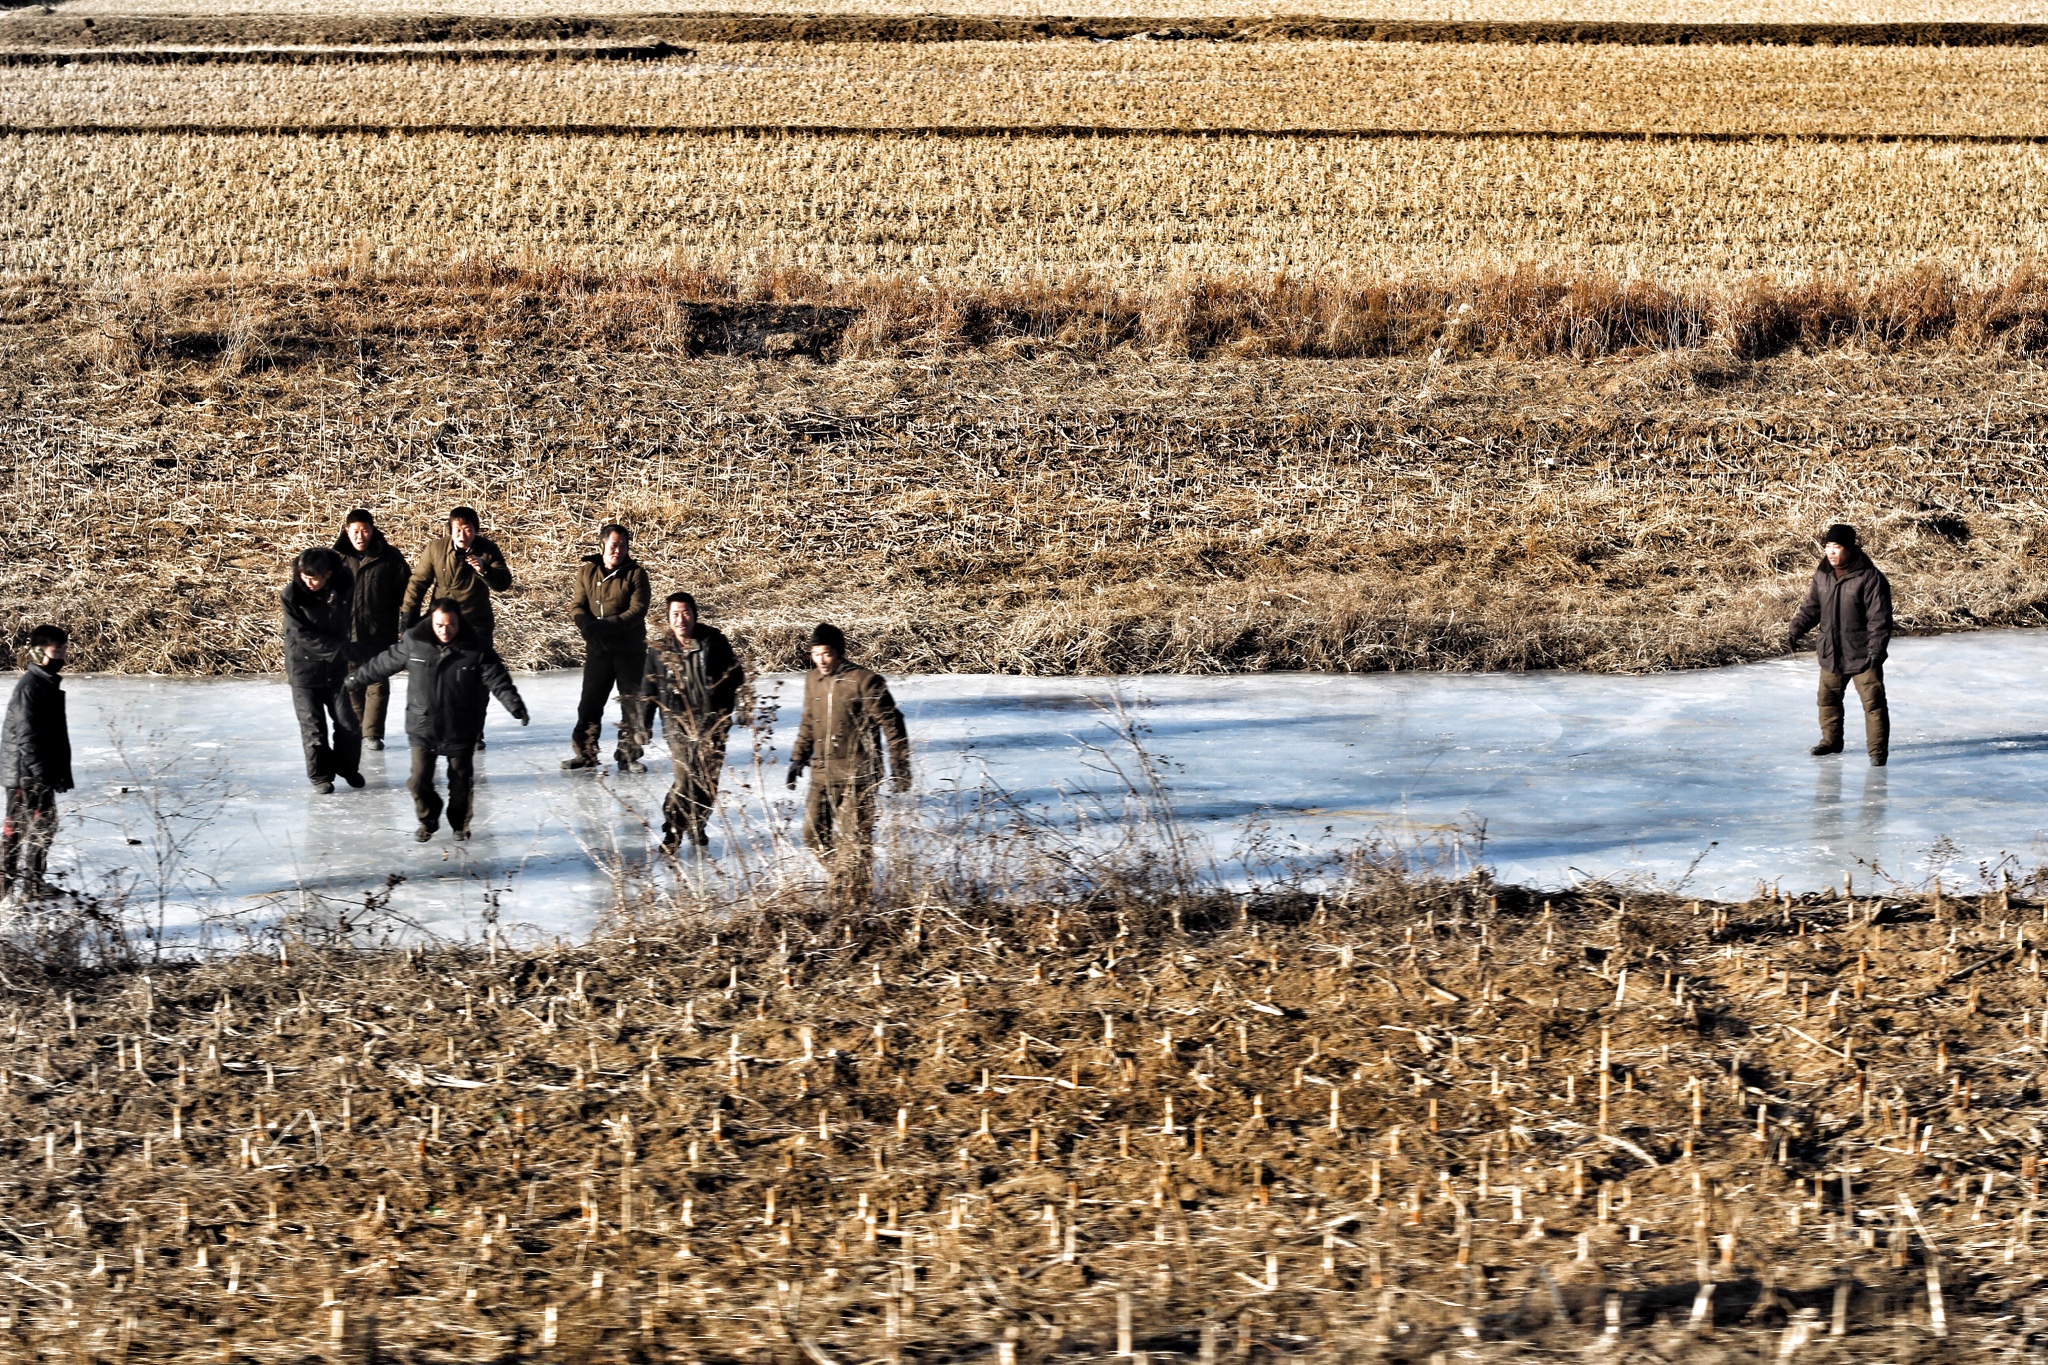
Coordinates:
1851 602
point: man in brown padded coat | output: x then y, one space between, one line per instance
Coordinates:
1851 602
610 611
848 716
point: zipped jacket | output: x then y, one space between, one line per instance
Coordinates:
381 577
35 745
695 683
849 717
447 687
1853 609
443 571
317 651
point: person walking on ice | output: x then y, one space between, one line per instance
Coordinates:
696 680
1851 602
848 717
318 615
381 575
465 567
35 764
450 677
610 611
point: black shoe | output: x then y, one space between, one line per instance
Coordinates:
573 764
461 836
353 779
323 787
699 838
1878 760
1822 750
423 833
479 741
632 765
376 744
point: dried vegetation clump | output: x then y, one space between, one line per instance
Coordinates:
1404 1118
1078 480
1310 86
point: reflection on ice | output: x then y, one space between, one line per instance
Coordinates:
191 794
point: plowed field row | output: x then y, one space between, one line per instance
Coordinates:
1266 86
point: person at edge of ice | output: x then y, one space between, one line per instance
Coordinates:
35 764
1851 601
695 679
610 611
450 676
318 603
381 575
464 566
848 715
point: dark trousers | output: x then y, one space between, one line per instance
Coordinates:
369 705
699 760
839 825
26 837
1877 715
606 667
316 708
426 802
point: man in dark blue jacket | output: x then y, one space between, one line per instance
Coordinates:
450 677
319 617
35 763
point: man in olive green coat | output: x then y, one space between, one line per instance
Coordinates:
610 611
849 717
464 567
696 681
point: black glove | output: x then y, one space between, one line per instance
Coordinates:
586 625
899 782
521 715
796 770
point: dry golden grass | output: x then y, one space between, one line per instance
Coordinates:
1640 11
1403 1119
1309 85
1051 504
1003 208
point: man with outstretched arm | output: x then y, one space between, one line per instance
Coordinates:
1851 602
35 764
450 676
318 607
610 611
465 567
848 717
695 680
381 576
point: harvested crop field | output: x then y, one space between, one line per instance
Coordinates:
1322 86
1407 1119
999 208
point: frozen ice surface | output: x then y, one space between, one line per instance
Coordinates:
1696 779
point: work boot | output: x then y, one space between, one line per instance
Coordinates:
631 765
1824 748
461 835
422 834
1878 760
353 779
376 744
578 762
324 787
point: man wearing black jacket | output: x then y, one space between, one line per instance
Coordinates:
318 607
450 677
35 764
695 679
1851 602
380 575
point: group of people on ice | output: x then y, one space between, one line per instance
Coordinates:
357 614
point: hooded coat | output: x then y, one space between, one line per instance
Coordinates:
317 625
35 747
381 576
447 687
1852 607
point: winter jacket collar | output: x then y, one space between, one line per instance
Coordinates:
627 566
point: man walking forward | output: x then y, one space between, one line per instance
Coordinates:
1851 602
318 605
450 677
610 610
848 715
464 567
381 574
35 764
695 679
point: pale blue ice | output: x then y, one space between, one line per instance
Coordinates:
1698 781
